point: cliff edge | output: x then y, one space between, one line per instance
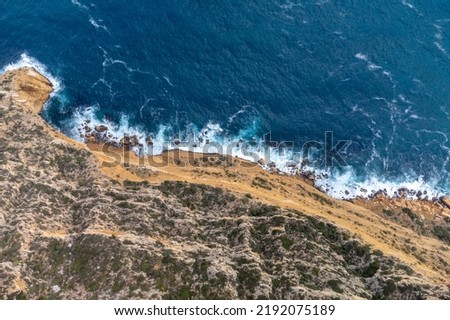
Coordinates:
76 223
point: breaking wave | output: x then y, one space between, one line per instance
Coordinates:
340 183
30 62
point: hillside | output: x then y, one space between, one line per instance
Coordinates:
75 225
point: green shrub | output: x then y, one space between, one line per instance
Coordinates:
286 242
335 286
390 213
410 214
442 233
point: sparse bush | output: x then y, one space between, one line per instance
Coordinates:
286 242
442 233
335 286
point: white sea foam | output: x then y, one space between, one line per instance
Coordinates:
409 5
372 66
361 56
212 138
439 25
168 80
347 186
97 25
240 111
109 61
30 62
79 5
441 48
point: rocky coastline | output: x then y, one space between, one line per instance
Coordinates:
72 227
142 146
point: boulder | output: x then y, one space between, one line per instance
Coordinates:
125 141
445 201
89 138
101 128
134 141
292 165
402 192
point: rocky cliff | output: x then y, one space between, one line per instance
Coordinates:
74 224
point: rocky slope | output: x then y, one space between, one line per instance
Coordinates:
74 226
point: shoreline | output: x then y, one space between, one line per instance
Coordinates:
362 218
173 164
91 131
98 136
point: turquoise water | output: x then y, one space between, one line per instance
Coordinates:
375 73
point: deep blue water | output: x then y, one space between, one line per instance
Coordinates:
373 72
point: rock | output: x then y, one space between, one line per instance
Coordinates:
90 138
87 129
292 165
149 141
101 128
176 142
445 201
403 192
56 289
134 141
125 140
380 194
261 162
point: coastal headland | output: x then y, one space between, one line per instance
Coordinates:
95 220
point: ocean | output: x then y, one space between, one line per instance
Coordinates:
374 73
